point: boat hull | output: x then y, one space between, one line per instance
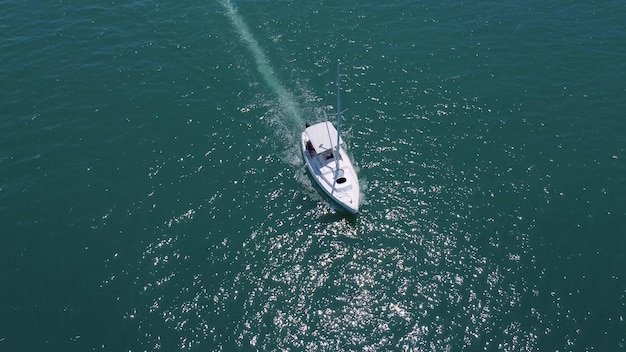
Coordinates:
335 176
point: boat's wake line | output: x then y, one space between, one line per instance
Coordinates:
264 68
288 126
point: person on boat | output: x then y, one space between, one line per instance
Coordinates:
310 149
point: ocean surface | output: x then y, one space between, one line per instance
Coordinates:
152 194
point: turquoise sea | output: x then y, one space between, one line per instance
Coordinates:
152 194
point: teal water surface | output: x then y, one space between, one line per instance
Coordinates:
153 198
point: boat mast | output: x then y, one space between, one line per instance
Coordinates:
338 107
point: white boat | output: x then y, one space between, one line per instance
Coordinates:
329 164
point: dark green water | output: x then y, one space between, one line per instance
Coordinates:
152 195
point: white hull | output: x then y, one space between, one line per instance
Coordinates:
336 176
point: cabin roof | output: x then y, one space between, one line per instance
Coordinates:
323 136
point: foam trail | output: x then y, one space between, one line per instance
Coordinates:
263 65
